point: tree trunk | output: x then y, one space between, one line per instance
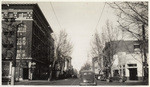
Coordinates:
144 52
110 74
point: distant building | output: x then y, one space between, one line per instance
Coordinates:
128 59
35 45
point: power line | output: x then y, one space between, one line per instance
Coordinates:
55 15
100 16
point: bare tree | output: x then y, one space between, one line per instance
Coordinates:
62 47
103 45
97 46
131 17
110 36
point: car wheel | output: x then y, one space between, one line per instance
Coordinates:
108 80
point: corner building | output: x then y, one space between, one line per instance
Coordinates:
128 59
35 45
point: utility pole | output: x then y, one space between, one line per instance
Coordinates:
93 67
144 52
14 57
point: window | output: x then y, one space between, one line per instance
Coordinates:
21 41
18 51
23 55
123 72
21 34
123 65
18 55
18 40
24 43
20 14
23 51
131 65
10 14
18 43
24 14
22 28
136 46
19 47
24 38
5 14
19 29
2 14
15 14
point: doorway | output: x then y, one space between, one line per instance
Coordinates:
133 74
25 73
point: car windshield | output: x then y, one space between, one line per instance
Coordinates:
87 76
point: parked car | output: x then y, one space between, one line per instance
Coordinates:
101 77
117 78
98 76
87 78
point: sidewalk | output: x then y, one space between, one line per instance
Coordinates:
68 81
27 82
134 81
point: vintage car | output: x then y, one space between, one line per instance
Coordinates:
87 78
101 77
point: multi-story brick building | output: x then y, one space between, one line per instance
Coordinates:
127 59
35 45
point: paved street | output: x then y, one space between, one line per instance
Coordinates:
75 82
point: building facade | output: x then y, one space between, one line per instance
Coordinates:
35 45
127 59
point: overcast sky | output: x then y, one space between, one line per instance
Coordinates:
79 19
